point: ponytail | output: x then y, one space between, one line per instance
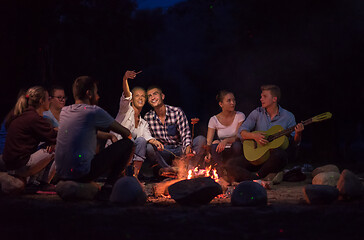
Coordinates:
31 98
21 105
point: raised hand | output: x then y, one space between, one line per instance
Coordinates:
130 74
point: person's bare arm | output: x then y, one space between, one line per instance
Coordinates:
209 138
106 136
156 143
127 75
118 128
257 136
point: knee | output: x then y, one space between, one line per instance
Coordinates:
150 149
199 141
140 141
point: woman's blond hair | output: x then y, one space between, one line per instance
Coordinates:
32 98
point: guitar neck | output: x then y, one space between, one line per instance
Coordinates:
287 131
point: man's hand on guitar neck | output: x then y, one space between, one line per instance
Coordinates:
298 133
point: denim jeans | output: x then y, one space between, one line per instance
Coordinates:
140 149
164 158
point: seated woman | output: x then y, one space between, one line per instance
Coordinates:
3 131
57 101
26 130
130 107
226 125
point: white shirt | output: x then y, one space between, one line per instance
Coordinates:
126 118
226 131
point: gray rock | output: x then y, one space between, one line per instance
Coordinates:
325 168
349 185
320 194
73 191
10 185
249 193
128 191
195 191
326 178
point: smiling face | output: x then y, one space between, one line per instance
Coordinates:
58 99
138 98
155 97
267 99
228 103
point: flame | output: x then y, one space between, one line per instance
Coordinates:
189 174
207 172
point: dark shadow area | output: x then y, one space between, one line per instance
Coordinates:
311 49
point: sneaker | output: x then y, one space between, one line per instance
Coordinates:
275 178
294 175
168 172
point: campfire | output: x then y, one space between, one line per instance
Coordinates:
207 172
181 172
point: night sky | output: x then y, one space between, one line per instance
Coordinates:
150 4
312 49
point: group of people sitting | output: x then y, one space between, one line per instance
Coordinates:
44 137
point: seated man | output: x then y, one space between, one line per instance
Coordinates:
76 141
129 117
169 125
262 119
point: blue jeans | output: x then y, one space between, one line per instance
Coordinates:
164 158
140 149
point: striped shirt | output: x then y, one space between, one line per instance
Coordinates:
175 131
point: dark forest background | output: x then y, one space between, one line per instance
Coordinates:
312 49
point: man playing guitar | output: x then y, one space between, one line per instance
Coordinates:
262 119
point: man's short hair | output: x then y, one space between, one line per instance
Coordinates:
81 85
274 90
154 86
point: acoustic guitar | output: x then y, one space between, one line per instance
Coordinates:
277 138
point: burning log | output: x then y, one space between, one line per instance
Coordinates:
197 191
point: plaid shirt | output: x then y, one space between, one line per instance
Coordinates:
175 130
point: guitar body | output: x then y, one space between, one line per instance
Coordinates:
257 154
